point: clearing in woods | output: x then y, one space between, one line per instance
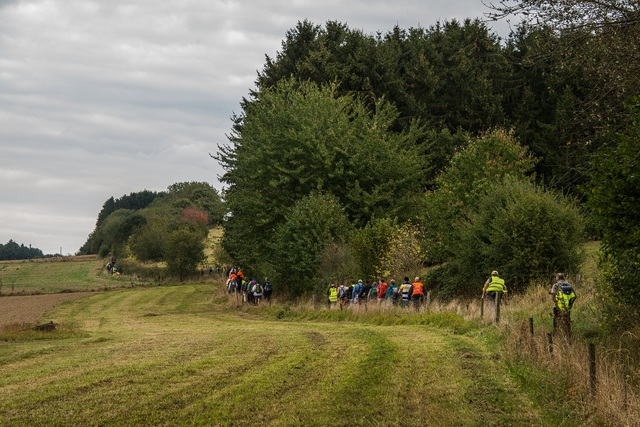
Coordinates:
179 355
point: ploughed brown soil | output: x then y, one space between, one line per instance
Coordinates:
29 309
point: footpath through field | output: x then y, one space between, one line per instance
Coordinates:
180 356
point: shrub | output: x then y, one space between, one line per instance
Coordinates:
523 231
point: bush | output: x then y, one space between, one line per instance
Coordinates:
521 230
312 224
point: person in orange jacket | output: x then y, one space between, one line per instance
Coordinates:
418 293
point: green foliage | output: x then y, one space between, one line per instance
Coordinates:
200 194
11 250
403 254
114 232
311 225
449 74
369 245
297 138
615 203
473 170
523 231
483 162
184 251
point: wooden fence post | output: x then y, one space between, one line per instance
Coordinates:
550 339
498 299
482 308
592 369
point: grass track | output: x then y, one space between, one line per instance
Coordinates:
173 356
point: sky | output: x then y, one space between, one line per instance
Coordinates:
106 98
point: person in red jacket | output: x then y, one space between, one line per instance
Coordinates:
382 290
418 293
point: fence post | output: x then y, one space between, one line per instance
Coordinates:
592 369
531 325
482 308
550 339
498 299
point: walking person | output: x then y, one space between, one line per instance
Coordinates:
393 293
493 286
357 291
405 291
383 286
267 289
257 292
417 294
332 295
563 296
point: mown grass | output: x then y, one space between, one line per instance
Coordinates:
179 355
51 276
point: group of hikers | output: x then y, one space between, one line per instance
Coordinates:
111 267
407 293
251 290
562 293
363 292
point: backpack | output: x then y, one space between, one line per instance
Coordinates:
267 286
257 288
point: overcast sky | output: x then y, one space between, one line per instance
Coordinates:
105 98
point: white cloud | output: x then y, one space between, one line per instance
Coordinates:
104 98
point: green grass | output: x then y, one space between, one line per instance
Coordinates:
51 276
179 355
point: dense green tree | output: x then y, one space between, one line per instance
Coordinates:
132 202
614 199
519 229
202 195
297 138
113 234
184 251
11 251
311 225
369 245
448 75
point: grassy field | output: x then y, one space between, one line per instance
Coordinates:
67 274
181 355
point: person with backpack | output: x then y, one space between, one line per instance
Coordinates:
382 290
492 286
563 296
418 292
406 289
365 294
342 295
257 292
393 293
357 290
268 289
332 295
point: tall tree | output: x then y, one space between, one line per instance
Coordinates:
297 138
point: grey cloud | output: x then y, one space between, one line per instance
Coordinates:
100 99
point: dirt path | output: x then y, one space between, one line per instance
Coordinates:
29 309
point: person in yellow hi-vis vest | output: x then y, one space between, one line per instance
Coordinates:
332 294
492 286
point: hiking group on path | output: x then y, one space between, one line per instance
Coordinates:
380 291
252 291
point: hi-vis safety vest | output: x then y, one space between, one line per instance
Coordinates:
333 294
496 285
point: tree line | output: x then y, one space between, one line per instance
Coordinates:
13 251
445 146
166 226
